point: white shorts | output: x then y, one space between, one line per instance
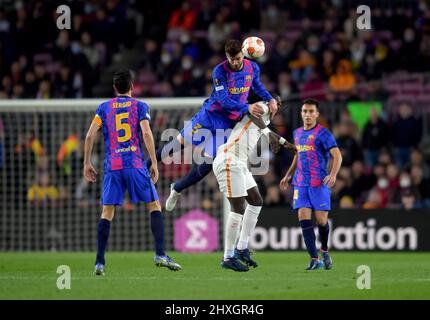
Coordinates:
234 180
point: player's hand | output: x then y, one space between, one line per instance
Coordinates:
285 182
273 107
154 172
256 110
90 174
330 181
274 142
290 146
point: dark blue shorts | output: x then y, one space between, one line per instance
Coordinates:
137 181
208 131
315 198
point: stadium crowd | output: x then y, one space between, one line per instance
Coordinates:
313 50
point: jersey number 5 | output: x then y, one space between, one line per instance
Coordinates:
123 126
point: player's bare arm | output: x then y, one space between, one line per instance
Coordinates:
289 175
90 172
148 138
273 107
275 139
330 180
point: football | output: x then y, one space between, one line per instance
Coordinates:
253 47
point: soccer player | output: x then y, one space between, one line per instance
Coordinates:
232 80
312 183
238 185
125 124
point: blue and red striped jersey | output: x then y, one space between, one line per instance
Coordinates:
120 119
231 89
313 151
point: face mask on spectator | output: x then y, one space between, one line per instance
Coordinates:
272 13
185 38
405 182
76 48
382 183
166 58
187 64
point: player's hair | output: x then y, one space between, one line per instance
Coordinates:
314 102
122 80
233 47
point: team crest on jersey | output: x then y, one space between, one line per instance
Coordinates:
311 137
248 78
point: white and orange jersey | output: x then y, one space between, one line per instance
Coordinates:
242 140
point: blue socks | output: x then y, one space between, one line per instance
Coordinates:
196 174
323 232
102 238
309 237
157 228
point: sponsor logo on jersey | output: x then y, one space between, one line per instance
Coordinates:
238 90
304 148
128 149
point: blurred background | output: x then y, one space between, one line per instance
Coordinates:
374 86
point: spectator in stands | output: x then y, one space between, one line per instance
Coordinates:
314 88
273 19
326 67
218 32
302 67
44 91
362 181
42 192
248 16
406 133
183 18
286 86
347 143
408 200
417 159
278 60
420 187
374 138
343 81
89 50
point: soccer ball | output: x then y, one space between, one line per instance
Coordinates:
253 47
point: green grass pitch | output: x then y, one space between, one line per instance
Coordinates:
280 275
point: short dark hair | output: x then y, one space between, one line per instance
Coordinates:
233 47
314 102
122 80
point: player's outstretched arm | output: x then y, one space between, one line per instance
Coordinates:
289 175
90 172
330 180
275 139
148 138
261 91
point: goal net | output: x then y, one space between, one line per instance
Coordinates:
47 205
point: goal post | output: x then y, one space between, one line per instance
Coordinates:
45 203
